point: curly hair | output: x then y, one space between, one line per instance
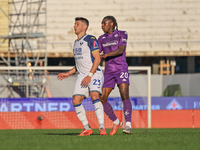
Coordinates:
115 26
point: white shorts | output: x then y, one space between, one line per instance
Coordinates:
95 85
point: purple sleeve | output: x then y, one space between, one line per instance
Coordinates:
124 37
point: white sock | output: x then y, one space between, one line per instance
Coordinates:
128 124
116 121
81 114
99 112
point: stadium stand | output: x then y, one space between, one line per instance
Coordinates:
155 28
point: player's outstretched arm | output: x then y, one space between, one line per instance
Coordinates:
64 75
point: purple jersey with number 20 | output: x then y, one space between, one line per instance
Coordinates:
109 43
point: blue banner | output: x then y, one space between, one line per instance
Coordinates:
65 104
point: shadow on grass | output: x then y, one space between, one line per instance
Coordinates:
67 134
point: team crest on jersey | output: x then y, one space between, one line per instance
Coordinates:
116 35
95 44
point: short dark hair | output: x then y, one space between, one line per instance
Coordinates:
113 20
83 20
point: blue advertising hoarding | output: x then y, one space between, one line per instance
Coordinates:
65 104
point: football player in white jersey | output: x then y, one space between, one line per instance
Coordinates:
90 78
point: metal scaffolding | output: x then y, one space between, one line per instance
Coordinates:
26 47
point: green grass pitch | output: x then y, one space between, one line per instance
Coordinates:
140 139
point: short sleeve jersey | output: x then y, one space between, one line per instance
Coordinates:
82 50
108 43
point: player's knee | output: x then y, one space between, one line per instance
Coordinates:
124 96
103 98
76 101
95 97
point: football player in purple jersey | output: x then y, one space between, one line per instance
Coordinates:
113 45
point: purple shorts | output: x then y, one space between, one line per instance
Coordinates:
111 79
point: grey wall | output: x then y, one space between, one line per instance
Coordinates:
190 85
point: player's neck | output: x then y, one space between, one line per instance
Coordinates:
110 32
80 35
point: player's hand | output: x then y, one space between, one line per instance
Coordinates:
103 56
63 76
86 81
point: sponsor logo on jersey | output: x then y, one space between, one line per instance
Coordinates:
78 53
95 45
174 105
110 43
124 40
103 37
81 43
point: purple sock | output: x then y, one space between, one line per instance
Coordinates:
127 110
109 111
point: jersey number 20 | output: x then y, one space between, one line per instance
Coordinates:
124 75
